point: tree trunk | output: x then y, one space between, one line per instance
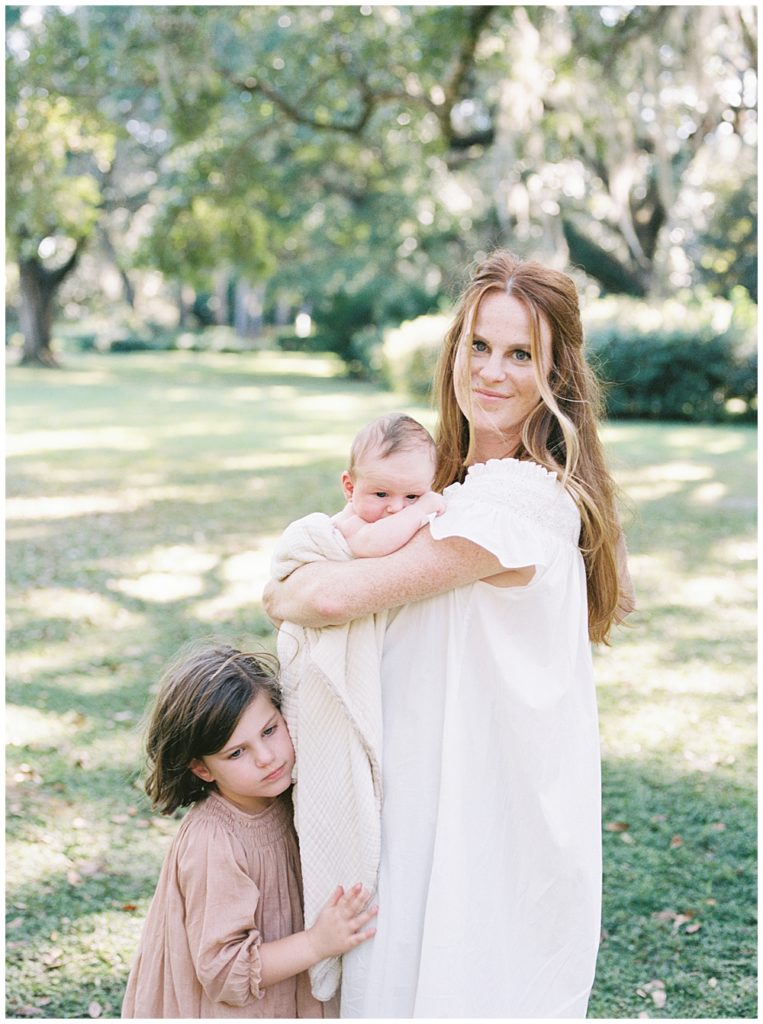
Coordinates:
36 314
38 287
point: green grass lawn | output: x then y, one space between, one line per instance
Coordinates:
145 493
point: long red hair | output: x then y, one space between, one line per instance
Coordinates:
561 432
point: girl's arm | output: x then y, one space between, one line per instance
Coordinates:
337 930
332 593
232 964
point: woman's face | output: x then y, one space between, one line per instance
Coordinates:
496 389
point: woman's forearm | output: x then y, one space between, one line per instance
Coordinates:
332 593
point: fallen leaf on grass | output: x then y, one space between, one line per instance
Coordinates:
718 826
93 868
27 773
29 1011
15 923
664 915
693 928
711 902
675 842
94 1009
53 959
73 877
712 982
119 819
616 826
129 906
655 989
627 837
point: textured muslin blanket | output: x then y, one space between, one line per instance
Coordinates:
332 705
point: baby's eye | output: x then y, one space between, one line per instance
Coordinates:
381 494
412 497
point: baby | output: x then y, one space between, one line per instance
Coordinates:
388 486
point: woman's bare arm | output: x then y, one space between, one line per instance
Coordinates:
332 593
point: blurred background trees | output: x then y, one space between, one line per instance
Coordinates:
182 167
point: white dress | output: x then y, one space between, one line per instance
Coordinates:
490 879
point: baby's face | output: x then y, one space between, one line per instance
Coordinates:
383 486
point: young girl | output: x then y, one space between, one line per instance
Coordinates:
224 934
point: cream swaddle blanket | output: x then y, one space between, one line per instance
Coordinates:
332 706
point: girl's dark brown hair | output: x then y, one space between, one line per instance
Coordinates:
202 695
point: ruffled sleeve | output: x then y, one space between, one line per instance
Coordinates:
516 510
220 900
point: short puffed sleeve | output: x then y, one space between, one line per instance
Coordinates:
518 511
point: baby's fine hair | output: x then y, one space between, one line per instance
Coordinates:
202 695
394 432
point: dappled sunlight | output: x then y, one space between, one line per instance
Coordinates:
48 507
680 471
62 658
257 460
160 587
120 438
66 603
35 862
709 493
167 574
698 591
650 491
25 725
735 550
705 741
244 575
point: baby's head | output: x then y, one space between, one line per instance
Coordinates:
203 696
392 463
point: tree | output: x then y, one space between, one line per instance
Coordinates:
326 152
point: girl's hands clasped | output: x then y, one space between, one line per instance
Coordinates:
338 927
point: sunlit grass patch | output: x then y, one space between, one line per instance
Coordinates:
148 518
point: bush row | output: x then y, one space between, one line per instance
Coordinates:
667 361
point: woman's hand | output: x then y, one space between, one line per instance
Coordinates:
331 593
338 927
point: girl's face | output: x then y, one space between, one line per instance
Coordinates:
255 765
495 383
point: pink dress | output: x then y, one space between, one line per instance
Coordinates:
231 880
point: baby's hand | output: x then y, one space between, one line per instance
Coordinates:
431 502
337 928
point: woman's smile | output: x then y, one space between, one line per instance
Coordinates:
495 378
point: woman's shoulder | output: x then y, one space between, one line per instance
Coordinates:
522 487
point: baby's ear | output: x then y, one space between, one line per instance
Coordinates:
347 486
200 770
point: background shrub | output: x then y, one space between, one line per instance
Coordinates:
676 361
410 353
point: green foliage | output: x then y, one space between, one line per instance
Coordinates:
410 353
351 323
677 361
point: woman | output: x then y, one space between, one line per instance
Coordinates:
490 879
